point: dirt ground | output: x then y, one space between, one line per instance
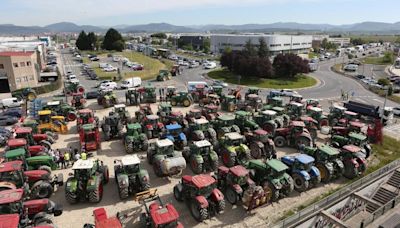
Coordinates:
75 216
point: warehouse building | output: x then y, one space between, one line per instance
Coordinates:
276 43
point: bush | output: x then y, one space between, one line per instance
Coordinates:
384 82
289 65
388 57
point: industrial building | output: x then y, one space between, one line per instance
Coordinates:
276 43
196 41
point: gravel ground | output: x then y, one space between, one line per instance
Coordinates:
77 215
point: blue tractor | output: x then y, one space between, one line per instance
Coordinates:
303 171
175 134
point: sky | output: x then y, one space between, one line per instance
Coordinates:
196 12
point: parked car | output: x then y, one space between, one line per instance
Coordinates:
110 69
94 58
92 94
360 76
351 67
108 86
220 83
15 112
131 82
137 67
8 120
10 102
288 92
102 82
396 111
210 65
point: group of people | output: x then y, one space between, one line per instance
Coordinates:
67 158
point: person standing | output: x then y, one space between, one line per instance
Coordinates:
83 155
62 161
67 158
77 156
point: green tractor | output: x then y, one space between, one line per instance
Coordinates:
228 103
245 121
201 157
135 140
252 90
200 129
316 114
335 114
132 96
233 150
224 124
73 87
272 176
112 126
273 102
295 110
60 108
183 98
131 178
107 98
148 94
269 121
40 162
123 113
327 160
217 90
164 75
25 93
357 139
86 183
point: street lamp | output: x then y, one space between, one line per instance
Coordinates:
386 88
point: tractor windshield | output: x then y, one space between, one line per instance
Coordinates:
12 208
175 132
205 150
13 176
90 137
169 225
206 191
132 168
305 166
82 174
263 138
236 142
44 118
240 180
166 150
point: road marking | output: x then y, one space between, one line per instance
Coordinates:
378 100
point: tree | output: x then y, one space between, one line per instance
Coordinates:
249 49
357 41
328 45
92 39
263 50
383 82
160 35
113 41
206 45
83 42
289 65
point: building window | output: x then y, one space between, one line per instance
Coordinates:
25 78
28 63
1 66
18 80
22 64
15 65
31 78
286 44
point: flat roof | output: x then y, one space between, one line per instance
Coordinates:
202 143
233 135
130 160
17 53
164 143
83 164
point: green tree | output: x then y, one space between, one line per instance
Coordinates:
206 45
357 41
92 39
188 47
289 65
113 41
328 45
160 35
249 49
383 81
263 50
83 42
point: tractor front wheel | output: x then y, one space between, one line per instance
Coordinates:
174 103
199 213
145 145
177 194
280 141
324 172
350 171
196 167
41 190
231 196
300 184
186 103
106 174
123 192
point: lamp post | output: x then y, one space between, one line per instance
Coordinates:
384 103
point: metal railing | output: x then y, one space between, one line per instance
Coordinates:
345 191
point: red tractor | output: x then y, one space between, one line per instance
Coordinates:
78 101
101 220
14 221
152 126
86 116
89 138
193 114
35 150
347 117
199 93
353 126
203 197
144 110
236 93
210 112
294 135
354 161
33 139
311 125
260 144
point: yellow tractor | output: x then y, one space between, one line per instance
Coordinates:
48 122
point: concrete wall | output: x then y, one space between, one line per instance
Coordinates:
23 75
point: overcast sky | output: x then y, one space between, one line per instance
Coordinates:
196 12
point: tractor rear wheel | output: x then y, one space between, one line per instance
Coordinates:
129 147
173 102
300 184
316 180
41 190
196 167
324 172
350 170
145 186
221 206
271 192
123 192
231 196
280 141
45 167
186 103
313 133
177 194
200 214
231 107
157 169
96 195
303 140
256 151
145 145
105 174
71 197
214 165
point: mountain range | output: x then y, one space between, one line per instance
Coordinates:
68 27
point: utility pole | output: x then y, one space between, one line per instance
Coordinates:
384 103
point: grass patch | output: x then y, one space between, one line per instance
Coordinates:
382 93
375 61
300 81
311 55
151 66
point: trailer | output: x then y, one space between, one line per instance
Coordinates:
48 76
370 111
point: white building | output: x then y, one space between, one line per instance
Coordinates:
276 43
340 41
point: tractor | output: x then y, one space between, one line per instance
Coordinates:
168 116
78 101
153 126
237 186
201 157
269 121
316 113
225 123
294 135
353 160
217 90
47 122
148 94
311 125
175 134
40 162
356 139
131 178
25 93
112 126
235 92
201 194
36 150
245 121
86 116
210 112
295 110
253 103
33 124
171 91
144 110
101 220
157 214
176 70
165 160
260 144
232 149
86 183
312 103
327 160
183 98
272 176
200 129
164 110
199 92
273 102
16 221
353 126
303 171
37 184
135 140
132 96
296 98
163 75
89 138
73 87
60 108
123 113
210 99
228 103
252 90
33 139
335 114
107 98
193 115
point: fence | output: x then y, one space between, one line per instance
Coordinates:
307 212
381 211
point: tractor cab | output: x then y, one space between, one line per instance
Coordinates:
32 124
130 163
89 137
295 108
17 143
120 109
200 124
272 94
11 175
84 115
254 100
9 221
337 110
356 126
252 90
164 109
315 112
25 133
326 153
347 117
171 91
199 92
297 127
152 120
201 185
233 139
360 140
203 147
235 175
276 168
78 100
160 215
261 135
164 146
84 169
149 89
229 98
353 152
174 130
312 103
275 101
300 162
296 98
44 116
11 201
245 121
210 111
134 129
217 90
194 114
268 115
226 120
48 122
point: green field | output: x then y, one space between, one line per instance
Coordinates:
301 81
375 61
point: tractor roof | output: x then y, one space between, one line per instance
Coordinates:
199 181
357 124
16 142
242 113
260 132
296 104
352 148
305 159
53 103
315 109
164 215
30 121
172 127
278 109
202 143
277 165
336 106
130 160
328 150
134 126
120 106
277 98
83 164
87 127
9 220
239 171
350 113
23 130
165 105
226 117
296 95
357 136
39 158
269 113
252 95
44 112
11 196
201 121
84 111
15 153
297 124
10 166
233 136
152 117
164 143
308 119
230 96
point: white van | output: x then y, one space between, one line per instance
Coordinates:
351 67
131 82
210 65
192 84
10 102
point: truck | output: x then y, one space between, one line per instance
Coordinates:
48 76
370 110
